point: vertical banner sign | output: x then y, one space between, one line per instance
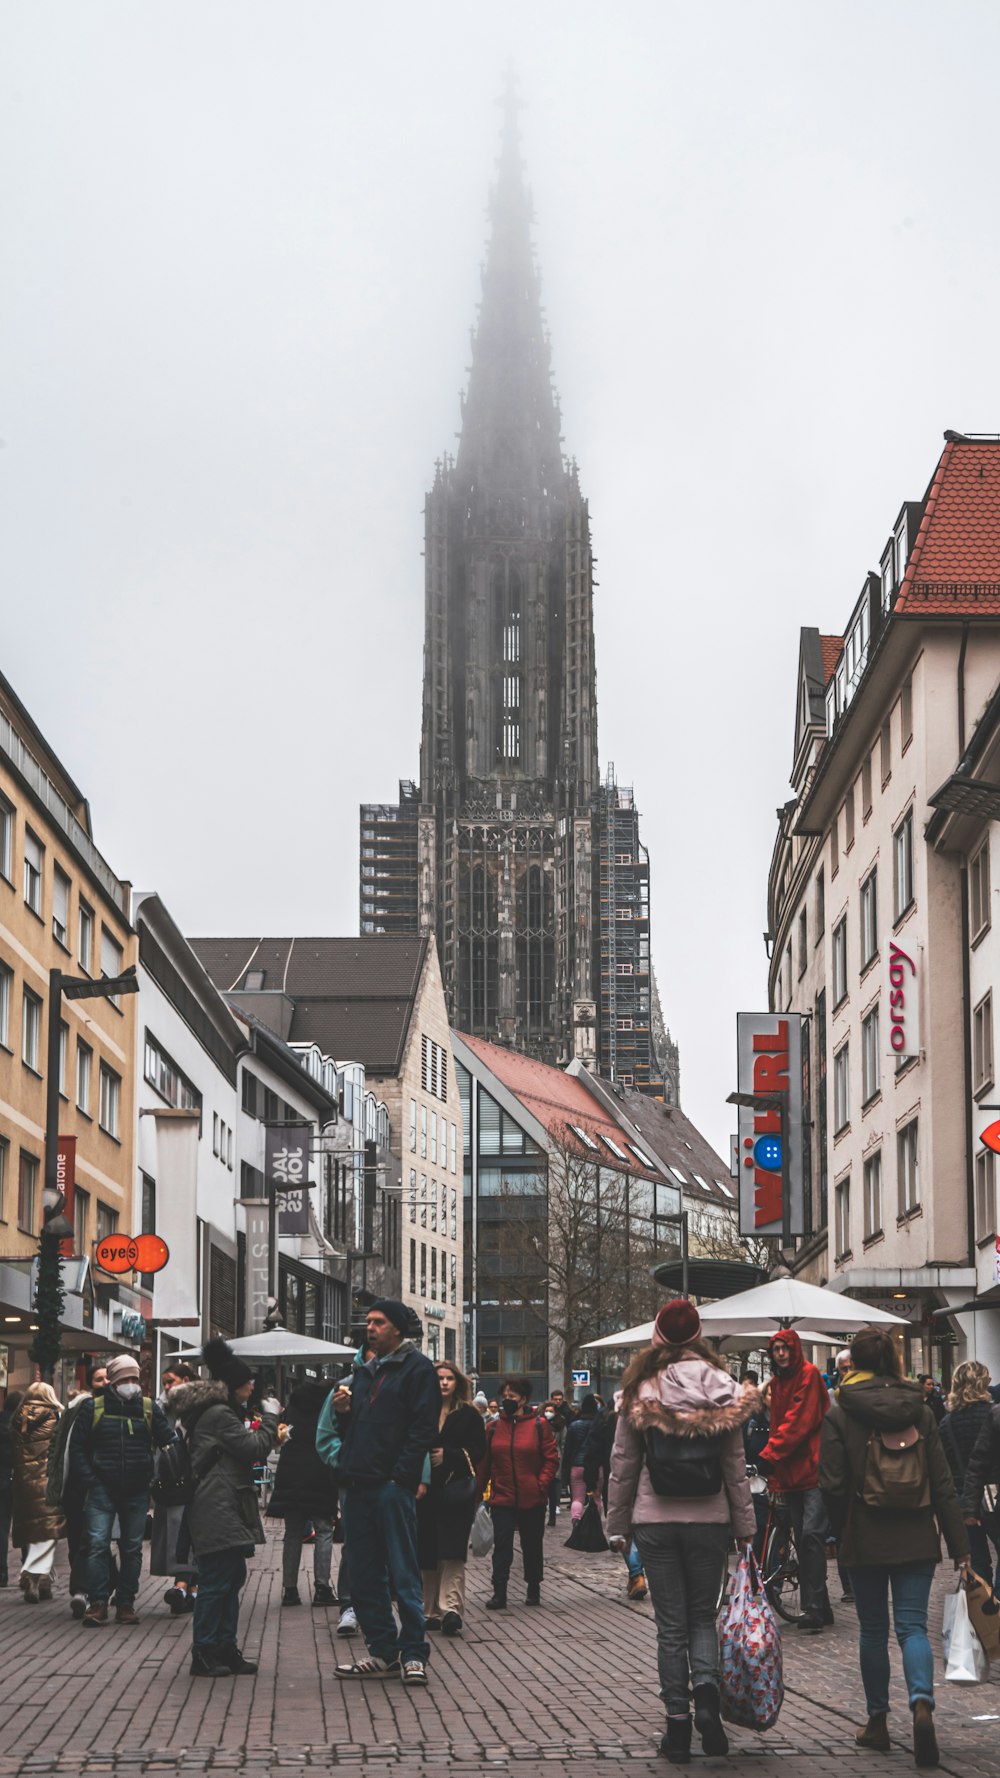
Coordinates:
996 1261
175 1288
66 1181
293 1212
902 1000
286 1156
256 1212
769 1060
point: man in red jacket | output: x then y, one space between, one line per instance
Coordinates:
521 1463
798 1402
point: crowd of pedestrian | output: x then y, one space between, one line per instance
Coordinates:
397 1460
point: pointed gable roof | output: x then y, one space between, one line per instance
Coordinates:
954 565
830 647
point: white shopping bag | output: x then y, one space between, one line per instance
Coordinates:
481 1539
965 1661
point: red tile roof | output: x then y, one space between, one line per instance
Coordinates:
830 647
954 566
556 1100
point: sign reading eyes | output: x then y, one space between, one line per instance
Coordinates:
131 1253
990 1137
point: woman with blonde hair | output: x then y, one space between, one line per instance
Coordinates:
679 1485
969 1406
445 1514
35 1524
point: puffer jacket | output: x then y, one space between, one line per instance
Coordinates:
32 1430
6 1451
521 1461
119 1452
983 1465
574 1451
872 1536
960 1430
799 1402
224 1514
304 1483
689 1398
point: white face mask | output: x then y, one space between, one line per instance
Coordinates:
128 1391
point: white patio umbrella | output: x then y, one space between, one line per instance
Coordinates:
632 1336
278 1346
786 1301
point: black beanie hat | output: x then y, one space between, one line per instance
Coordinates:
394 1311
224 1365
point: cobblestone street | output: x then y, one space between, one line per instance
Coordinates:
570 1688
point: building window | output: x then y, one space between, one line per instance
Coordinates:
871 1061
866 787
81 1210
907 1168
6 840
840 961
423 1200
454 1281
869 919
849 821
433 1068
31 1029
413 1268
803 942
413 1194
60 907
423 1268
454 1214
885 752
434 1206
434 1137
112 957
63 1051
173 1086
820 905
842 1089
6 993
982 1045
423 1131
986 1194
873 1195
4 1164
215 1132
902 856
85 937
110 1100
84 1057
413 1126
842 1212
434 1274
34 860
979 889
906 712
107 1221
835 846
27 1192
249 1093
454 1148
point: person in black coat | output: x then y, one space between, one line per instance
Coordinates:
10 1408
969 1407
305 1491
575 1452
444 1521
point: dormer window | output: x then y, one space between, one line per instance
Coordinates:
888 574
902 550
254 983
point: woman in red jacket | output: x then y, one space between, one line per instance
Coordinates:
521 1463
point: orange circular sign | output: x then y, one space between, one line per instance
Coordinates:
152 1253
116 1253
991 1137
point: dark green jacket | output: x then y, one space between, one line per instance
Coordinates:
224 1514
869 1536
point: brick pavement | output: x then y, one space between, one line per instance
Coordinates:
567 1690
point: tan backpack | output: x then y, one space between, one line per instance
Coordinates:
896 1477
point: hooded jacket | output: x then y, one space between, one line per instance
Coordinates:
304 1484
393 1420
983 1465
521 1462
689 1398
33 1428
799 1403
223 1514
873 1536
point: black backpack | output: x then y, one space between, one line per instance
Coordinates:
684 1468
176 1480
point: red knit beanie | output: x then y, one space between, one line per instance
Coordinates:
677 1324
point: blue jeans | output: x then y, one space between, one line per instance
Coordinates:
380 1537
217 1601
98 1518
911 1585
633 1561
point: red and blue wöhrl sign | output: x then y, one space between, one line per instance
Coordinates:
769 1064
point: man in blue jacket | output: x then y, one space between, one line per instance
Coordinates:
111 1454
390 1416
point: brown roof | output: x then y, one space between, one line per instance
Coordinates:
954 565
559 1101
830 647
676 1140
352 996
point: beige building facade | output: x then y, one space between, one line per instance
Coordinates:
61 907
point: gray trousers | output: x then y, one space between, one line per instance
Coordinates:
684 1565
810 1524
291 1549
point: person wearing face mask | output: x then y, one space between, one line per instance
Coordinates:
521 1463
111 1453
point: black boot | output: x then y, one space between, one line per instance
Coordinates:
498 1601
676 1743
231 1658
707 1720
207 1663
534 1594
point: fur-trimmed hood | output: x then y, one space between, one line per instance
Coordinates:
188 1398
691 1399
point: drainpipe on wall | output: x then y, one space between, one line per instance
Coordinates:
970 1165
961 690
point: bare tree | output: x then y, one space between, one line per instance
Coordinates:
714 1233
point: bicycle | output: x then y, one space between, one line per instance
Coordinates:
779 1564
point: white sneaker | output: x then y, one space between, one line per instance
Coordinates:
414 1673
371 1667
348 1622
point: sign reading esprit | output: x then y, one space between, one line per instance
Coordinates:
903 1024
769 1063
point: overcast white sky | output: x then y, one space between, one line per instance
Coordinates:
242 243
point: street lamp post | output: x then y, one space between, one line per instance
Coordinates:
55 1223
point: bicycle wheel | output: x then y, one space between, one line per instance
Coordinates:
780 1569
